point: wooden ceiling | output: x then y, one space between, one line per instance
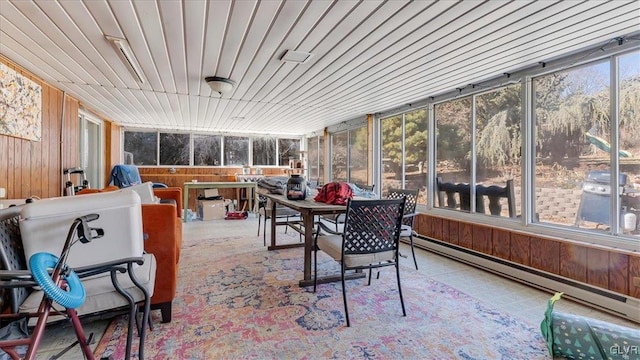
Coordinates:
368 56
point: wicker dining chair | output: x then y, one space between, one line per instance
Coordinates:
370 240
409 214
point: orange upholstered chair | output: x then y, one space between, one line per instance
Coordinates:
162 227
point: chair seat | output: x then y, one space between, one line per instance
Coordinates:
280 212
100 292
332 245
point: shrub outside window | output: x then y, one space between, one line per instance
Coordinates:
499 142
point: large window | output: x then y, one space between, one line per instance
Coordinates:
453 147
206 150
572 130
236 150
315 148
264 151
482 163
174 149
151 148
339 143
141 148
629 118
288 149
359 156
404 153
350 156
574 137
498 142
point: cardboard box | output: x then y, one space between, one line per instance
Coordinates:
211 209
210 192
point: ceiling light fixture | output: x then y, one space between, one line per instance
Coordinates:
296 57
126 55
220 85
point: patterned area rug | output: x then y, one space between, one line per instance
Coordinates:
236 300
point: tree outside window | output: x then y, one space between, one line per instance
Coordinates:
287 149
174 149
264 151
141 147
207 150
236 151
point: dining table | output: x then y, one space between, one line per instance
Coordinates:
308 209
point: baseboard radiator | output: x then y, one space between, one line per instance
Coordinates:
608 301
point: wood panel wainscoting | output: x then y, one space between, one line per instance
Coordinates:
612 269
34 168
181 175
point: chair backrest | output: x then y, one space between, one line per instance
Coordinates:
411 197
124 176
372 226
493 193
11 257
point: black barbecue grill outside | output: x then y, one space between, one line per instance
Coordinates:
596 195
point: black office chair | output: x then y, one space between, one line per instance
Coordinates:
370 240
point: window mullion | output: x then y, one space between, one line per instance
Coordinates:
614 125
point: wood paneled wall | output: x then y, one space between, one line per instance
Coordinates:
113 144
34 168
186 174
608 268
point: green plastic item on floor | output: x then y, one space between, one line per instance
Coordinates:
578 337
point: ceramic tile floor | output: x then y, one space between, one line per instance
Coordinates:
523 302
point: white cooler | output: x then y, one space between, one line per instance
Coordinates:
44 226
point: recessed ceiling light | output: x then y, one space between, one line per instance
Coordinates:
298 57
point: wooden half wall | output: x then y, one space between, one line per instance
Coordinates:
177 176
34 168
607 268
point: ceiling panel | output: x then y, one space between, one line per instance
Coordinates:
368 56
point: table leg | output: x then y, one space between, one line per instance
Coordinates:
273 226
307 221
185 202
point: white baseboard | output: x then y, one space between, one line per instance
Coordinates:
605 300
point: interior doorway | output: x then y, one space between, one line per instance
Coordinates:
92 149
